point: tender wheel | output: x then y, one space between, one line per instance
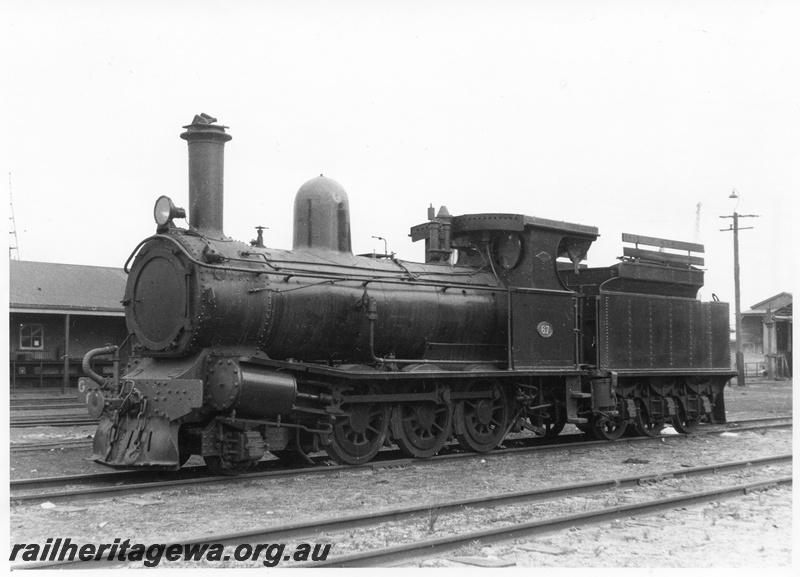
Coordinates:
643 424
421 429
682 423
607 430
220 467
481 424
358 437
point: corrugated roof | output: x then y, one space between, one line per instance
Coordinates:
65 287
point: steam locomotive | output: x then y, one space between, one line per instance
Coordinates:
240 349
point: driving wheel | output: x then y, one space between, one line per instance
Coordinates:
481 423
357 437
421 429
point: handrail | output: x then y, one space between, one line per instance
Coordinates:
87 360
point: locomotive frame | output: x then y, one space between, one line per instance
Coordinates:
242 350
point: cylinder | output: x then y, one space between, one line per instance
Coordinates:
206 174
264 392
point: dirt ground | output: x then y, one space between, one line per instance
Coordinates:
749 532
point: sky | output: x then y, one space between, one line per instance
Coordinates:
638 117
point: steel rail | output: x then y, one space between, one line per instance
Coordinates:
567 442
135 488
43 407
46 399
45 482
748 428
751 421
33 447
432 547
294 530
24 423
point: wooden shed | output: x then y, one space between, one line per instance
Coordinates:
767 337
59 312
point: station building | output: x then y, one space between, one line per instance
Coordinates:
59 312
767 337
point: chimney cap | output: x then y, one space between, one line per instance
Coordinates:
201 130
204 122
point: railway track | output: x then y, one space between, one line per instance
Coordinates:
45 407
48 412
45 400
34 447
115 484
51 421
428 547
749 424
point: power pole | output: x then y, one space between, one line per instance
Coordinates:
697 223
735 228
13 247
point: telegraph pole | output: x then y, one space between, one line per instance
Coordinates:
13 244
735 228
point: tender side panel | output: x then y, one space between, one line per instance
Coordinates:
652 332
720 328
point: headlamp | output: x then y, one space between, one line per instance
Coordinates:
165 210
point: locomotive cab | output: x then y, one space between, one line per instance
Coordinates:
523 253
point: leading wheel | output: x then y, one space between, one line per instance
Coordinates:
643 424
358 437
481 423
421 429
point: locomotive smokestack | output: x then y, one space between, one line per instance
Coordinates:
206 173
